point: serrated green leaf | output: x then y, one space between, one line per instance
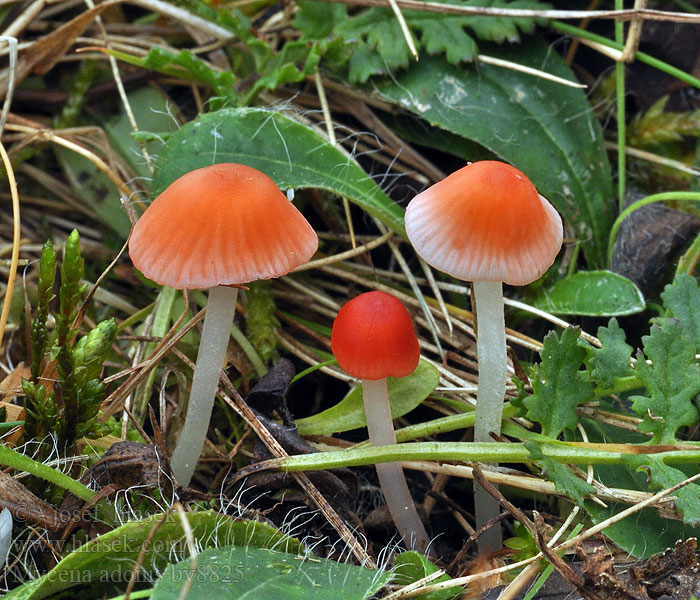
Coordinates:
662 476
379 38
558 384
592 294
564 480
405 394
682 300
364 63
448 38
279 68
290 153
612 360
381 33
672 381
265 574
644 533
543 128
318 19
189 66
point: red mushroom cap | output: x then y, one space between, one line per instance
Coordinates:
485 222
222 224
373 337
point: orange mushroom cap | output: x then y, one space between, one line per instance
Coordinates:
485 222
222 224
373 337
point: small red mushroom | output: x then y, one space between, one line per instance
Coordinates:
215 227
372 339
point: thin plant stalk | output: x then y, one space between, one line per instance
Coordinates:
621 123
391 477
216 331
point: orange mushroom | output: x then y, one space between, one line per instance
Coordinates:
372 339
214 227
487 224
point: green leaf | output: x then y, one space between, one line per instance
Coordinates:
642 534
191 67
565 481
545 129
523 543
412 566
378 34
405 394
279 68
264 574
558 384
110 557
672 381
612 360
592 294
682 299
364 63
318 19
292 154
661 476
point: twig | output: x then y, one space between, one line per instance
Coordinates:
634 34
16 234
239 405
331 137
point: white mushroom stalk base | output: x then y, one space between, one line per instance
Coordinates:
391 477
491 354
216 331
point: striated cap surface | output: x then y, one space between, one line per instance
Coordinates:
485 222
373 337
222 224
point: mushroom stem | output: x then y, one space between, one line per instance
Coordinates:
491 355
216 331
391 477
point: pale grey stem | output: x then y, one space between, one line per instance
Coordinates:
491 354
216 331
391 478
5 535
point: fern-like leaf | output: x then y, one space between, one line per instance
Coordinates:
380 44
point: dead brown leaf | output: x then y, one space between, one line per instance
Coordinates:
41 56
